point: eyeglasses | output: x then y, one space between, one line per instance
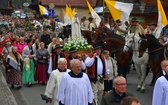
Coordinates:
123 84
77 67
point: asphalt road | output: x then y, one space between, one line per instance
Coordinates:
31 96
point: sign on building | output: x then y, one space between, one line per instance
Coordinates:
51 12
51 5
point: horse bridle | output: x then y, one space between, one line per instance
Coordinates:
152 50
129 47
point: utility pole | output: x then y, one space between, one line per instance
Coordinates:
103 12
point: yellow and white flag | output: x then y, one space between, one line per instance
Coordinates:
119 10
66 18
69 12
162 20
95 16
43 10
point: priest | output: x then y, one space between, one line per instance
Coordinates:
75 87
54 80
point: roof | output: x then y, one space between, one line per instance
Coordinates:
78 3
3 4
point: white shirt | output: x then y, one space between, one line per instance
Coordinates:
90 61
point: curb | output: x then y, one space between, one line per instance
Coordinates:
6 96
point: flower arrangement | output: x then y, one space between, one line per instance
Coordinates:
78 43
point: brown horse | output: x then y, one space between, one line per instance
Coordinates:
114 43
155 50
88 35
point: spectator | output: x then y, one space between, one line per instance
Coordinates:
28 67
36 44
160 92
115 96
14 68
75 88
129 100
21 45
6 50
32 38
55 79
97 70
45 38
108 83
42 56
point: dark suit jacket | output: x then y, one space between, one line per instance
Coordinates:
112 98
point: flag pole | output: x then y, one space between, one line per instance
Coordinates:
103 13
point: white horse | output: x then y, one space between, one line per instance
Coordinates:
131 43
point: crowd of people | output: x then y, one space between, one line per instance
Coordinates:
34 54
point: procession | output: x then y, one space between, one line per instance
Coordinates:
86 59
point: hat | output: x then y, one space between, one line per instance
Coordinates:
154 24
134 20
96 47
58 46
72 50
118 21
90 18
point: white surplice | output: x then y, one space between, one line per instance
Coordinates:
160 92
53 83
75 91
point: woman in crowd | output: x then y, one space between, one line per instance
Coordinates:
28 66
36 44
42 56
14 68
21 45
6 50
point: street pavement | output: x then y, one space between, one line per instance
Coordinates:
31 96
132 81
6 96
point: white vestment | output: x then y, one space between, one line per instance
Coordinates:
75 90
160 92
53 83
75 28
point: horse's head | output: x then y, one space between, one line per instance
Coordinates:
142 45
98 34
129 42
89 35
